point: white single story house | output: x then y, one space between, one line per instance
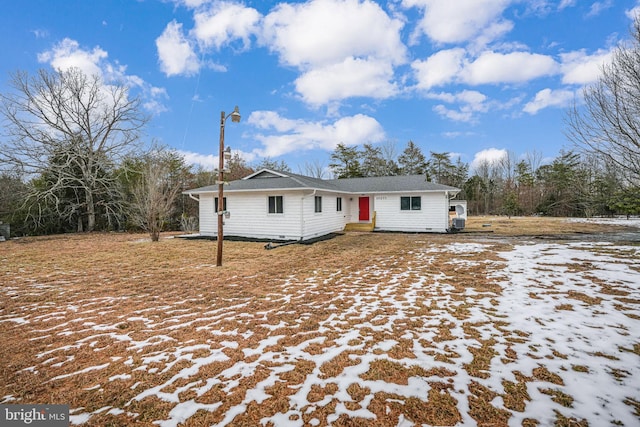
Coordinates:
277 205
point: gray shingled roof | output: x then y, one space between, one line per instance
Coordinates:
385 184
382 184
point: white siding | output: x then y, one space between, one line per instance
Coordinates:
208 219
353 201
329 220
352 213
250 217
433 215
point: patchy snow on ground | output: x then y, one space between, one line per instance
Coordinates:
566 299
621 220
453 334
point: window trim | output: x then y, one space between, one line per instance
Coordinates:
215 204
317 204
275 205
338 204
411 203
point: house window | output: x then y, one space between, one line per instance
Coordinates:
339 204
275 205
215 204
318 204
410 203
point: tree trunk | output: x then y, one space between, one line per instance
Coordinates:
91 211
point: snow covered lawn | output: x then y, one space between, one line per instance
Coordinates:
623 221
422 330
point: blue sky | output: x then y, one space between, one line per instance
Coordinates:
475 78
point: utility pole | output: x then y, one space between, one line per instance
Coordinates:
235 117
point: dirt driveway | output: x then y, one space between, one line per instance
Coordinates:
364 329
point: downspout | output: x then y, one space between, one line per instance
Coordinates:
302 212
197 199
448 202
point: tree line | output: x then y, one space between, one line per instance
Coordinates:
572 184
72 159
73 162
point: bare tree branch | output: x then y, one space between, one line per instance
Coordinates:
608 124
70 129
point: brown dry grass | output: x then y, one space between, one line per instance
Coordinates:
87 297
534 226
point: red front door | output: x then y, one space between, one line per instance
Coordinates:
363 203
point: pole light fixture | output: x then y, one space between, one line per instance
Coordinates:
222 156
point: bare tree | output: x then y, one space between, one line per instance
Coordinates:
534 160
238 168
275 165
314 169
155 190
609 123
389 150
508 166
71 128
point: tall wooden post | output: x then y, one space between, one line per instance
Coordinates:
220 191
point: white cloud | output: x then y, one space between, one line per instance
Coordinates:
224 22
549 98
191 4
598 7
350 78
344 48
490 156
325 32
68 54
93 62
40 33
634 12
455 66
297 135
439 69
456 134
579 68
154 101
543 7
175 52
456 21
456 115
209 161
471 103
515 67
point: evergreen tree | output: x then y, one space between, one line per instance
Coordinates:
412 161
440 169
524 184
372 162
626 201
345 162
561 185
